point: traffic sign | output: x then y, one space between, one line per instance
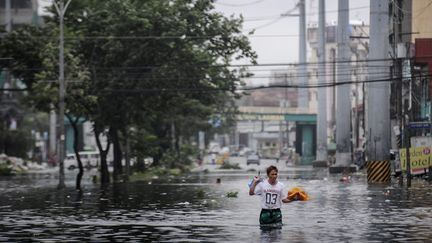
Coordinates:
420 125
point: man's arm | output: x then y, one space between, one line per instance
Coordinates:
287 200
252 188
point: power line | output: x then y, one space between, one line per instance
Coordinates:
337 10
269 17
239 5
274 74
240 88
421 11
254 65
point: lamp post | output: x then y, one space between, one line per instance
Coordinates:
61 9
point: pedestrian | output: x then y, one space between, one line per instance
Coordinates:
213 159
270 191
199 160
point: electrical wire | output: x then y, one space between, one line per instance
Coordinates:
239 5
337 10
398 7
423 10
215 89
263 64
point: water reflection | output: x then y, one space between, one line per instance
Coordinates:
196 208
270 235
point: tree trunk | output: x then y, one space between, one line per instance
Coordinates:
80 174
126 155
105 178
162 132
80 166
118 168
177 146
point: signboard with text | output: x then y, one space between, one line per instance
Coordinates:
420 125
420 158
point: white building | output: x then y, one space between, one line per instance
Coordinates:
359 36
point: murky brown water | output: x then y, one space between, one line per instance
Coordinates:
196 209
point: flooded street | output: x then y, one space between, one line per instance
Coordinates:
197 209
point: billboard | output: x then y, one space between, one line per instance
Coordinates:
420 158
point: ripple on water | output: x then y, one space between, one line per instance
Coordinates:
337 212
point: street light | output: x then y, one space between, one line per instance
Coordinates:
61 9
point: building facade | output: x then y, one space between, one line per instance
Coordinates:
357 75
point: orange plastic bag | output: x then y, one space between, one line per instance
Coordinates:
296 193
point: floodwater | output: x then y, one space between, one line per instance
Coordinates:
197 209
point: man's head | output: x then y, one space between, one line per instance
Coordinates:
272 173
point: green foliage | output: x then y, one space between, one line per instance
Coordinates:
24 48
150 67
200 194
155 172
181 159
15 143
18 142
227 165
142 143
231 194
5 170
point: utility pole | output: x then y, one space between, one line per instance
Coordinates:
8 17
52 132
303 94
378 100
322 91
61 9
285 111
343 102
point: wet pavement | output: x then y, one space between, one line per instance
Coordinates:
195 208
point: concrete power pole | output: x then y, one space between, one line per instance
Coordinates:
343 102
61 9
378 93
303 94
52 132
322 92
8 16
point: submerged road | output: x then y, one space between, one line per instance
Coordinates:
194 208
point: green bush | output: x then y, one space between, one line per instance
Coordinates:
180 160
5 170
231 194
227 165
15 143
153 172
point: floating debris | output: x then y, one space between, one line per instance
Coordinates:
231 194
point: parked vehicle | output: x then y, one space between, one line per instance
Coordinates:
89 159
269 151
245 151
214 148
253 159
288 157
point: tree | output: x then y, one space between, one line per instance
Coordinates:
134 58
33 57
158 67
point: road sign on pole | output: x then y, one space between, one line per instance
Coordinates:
420 125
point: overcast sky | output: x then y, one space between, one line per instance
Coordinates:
276 39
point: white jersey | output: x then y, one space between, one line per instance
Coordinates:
271 195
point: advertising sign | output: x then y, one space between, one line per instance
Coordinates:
420 158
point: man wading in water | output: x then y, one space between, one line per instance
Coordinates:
270 191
